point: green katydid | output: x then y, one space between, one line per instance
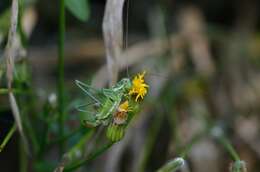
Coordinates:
106 101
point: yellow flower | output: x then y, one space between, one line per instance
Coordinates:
139 87
123 107
121 115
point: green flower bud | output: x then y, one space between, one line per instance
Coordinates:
172 165
115 132
238 166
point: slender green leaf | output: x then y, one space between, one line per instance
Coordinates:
79 8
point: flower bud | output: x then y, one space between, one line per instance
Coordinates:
172 165
238 166
115 132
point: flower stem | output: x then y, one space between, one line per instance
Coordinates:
189 146
150 142
23 158
227 145
61 72
92 156
8 137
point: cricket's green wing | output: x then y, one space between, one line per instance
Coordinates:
109 93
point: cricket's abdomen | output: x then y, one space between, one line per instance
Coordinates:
108 109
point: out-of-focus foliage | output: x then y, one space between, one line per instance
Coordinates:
202 62
4 23
79 8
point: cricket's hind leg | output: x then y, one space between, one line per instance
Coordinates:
88 117
86 88
94 105
88 123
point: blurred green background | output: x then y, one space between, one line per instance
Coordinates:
202 60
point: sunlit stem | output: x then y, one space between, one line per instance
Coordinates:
7 137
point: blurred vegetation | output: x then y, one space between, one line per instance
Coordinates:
201 60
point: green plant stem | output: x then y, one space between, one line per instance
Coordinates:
28 113
193 141
6 91
61 95
90 158
227 145
20 28
8 137
23 159
28 124
46 113
174 121
151 140
65 137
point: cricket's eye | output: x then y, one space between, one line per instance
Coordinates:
96 106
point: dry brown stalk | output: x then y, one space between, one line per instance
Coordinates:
10 52
113 36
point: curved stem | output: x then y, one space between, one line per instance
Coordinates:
227 145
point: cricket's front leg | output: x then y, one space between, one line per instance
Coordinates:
91 124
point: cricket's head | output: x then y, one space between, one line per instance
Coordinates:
124 84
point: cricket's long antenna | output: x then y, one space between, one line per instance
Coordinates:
126 33
127 23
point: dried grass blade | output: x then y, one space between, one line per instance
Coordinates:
113 36
10 52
